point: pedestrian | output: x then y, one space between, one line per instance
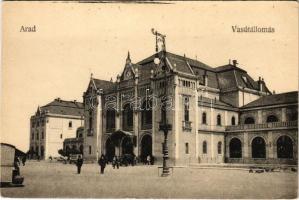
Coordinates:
24 160
114 160
79 164
117 162
148 159
102 163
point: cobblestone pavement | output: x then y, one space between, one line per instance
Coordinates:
44 179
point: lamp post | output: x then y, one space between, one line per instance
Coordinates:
160 60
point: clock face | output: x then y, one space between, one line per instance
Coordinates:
128 74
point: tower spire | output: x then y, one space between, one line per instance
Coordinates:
128 60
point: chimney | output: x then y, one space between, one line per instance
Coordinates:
235 63
205 78
260 82
273 92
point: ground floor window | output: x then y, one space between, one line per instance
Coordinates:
204 147
219 147
258 148
235 148
89 149
284 147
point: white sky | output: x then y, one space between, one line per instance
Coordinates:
75 39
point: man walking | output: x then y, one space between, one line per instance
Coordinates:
102 163
79 164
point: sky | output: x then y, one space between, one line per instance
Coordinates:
73 40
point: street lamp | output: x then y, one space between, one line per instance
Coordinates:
160 59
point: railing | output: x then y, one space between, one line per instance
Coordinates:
262 126
187 126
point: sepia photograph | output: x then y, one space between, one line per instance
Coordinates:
149 99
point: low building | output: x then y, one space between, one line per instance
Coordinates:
51 124
74 145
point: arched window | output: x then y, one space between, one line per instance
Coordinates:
284 147
128 117
187 148
272 118
258 148
218 120
186 109
37 135
146 113
110 119
233 120
70 124
235 148
249 120
219 147
204 147
42 134
204 118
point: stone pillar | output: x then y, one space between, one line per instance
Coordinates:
176 130
136 114
212 124
259 117
283 114
245 152
270 145
225 119
118 111
196 122
99 126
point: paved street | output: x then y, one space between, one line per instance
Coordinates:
43 179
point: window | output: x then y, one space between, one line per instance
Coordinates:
186 109
32 136
204 118
127 117
110 119
146 113
219 120
89 149
187 148
249 120
37 135
32 124
70 124
272 118
219 147
233 120
90 121
42 134
60 136
204 147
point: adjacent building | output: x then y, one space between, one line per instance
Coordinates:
51 124
217 114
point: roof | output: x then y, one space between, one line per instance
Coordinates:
216 103
103 84
62 107
275 99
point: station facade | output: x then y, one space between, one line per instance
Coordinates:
216 114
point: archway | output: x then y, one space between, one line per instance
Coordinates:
258 148
272 118
127 146
249 120
110 149
146 147
235 148
284 147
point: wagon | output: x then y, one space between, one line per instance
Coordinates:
10 175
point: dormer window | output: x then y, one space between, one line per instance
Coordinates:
245 79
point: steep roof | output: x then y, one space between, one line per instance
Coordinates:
275 99
103 84
62 107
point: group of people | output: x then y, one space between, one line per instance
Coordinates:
116 162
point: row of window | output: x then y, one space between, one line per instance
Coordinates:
38 123
205 147
37 135
269 119
218 119
184 83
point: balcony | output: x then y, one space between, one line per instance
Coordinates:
187 126
274 125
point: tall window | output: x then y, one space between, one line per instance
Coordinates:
218 120
219 147
42 134
204 118
204 147
60 136
187 148
89 149
70 124
127 117
32 136
233 121
186 109
37 135
90 121
110 119
146 114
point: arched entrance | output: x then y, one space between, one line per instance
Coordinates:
127 146
146 147
110 149
258 148
284 147
235 148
